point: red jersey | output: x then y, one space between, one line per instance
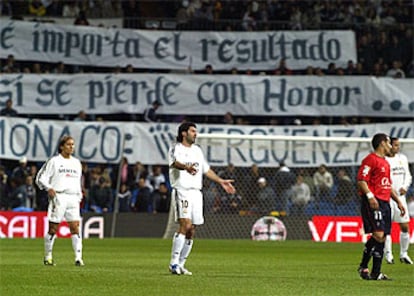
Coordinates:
375 170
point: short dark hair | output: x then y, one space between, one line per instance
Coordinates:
184 127
393 139
377 139
63 141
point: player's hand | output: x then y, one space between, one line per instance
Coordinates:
373 203
228 186
191 169
51 193
403 191
402 209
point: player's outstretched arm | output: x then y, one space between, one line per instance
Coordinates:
226 184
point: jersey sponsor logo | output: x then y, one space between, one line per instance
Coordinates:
398 170
68 172
366 170
385 182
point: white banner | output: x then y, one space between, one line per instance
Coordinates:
93 46
209 95
107 142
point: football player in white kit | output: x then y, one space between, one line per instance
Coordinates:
401 180
60 176
187 166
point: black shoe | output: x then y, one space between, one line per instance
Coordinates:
380 277
406 260
79 263
364 273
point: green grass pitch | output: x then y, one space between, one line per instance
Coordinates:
220 268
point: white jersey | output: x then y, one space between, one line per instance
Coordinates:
192 155
400 172
61 174
400 178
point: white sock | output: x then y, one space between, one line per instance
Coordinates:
77 246
404 243
388 247
185 252
49 240
177 246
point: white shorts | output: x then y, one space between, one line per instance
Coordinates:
64 206
188 205
395 211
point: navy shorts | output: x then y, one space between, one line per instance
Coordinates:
376 221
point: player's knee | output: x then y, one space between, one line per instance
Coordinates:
52 228
74 231
74 228
379 237
190 233
52 232
188 229
404 227
185 227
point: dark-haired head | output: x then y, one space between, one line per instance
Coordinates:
377 139
184 127
63 141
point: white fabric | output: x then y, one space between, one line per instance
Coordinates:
77 246
189 205
388 248
49 241
160 49
65 206
177 246
151 142
400 172
325 179
64 176
301 194
400 178
395 211
61 174
185 252
192 155
404 243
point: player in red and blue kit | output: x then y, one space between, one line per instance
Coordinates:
374 185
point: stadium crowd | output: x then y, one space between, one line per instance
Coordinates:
384 31
146 189
386 26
